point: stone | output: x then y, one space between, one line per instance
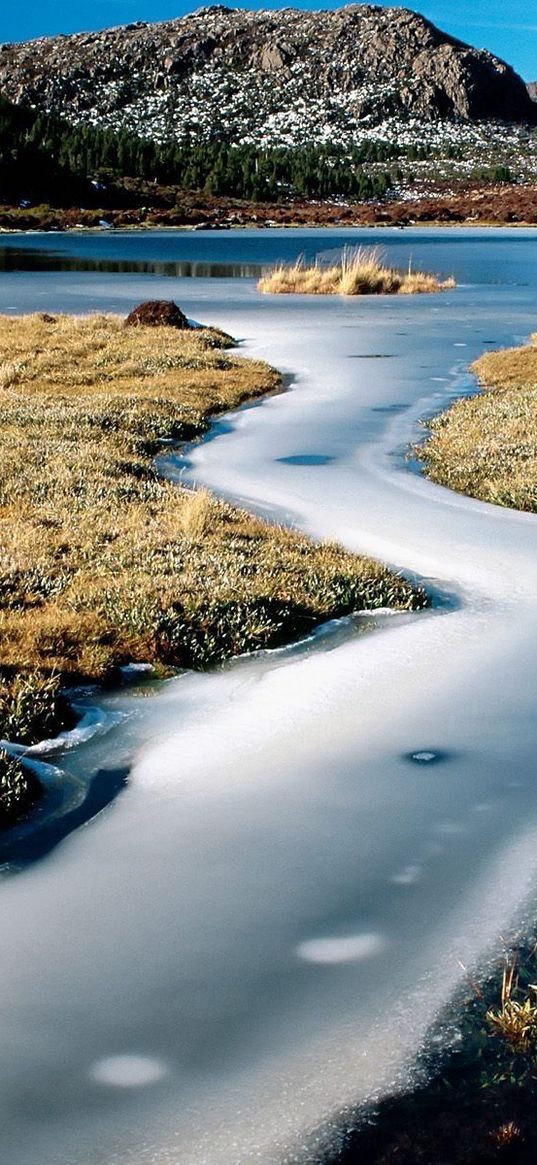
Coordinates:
157 313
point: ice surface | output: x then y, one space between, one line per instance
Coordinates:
128 1071
349 949
279 866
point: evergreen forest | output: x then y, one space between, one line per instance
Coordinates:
46 159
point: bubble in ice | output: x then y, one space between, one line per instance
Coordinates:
128 1071
407 876
449 828
350 948
307 459
426 756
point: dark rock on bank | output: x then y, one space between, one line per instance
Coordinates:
157 313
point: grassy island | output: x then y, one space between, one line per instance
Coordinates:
361 271
486 446
104 561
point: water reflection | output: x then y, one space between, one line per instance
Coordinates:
39 259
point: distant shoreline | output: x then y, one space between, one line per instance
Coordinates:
146 228
500 205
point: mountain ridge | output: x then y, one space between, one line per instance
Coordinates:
281 77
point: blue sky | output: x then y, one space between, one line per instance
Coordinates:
484 23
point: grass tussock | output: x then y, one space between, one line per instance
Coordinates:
486 446
104 562
196 513
362 271
510 1024
31 707
19 789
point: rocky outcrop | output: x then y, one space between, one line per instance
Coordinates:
282 76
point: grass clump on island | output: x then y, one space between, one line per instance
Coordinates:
486 445
361 271
104 561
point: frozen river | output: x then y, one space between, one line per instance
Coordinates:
260 928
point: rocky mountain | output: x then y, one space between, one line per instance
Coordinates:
532 90
276 78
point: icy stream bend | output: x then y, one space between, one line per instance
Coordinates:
205 973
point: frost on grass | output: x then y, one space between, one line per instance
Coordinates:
486 446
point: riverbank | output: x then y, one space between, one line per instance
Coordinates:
106 563
477 1102
274 803
485 446
480 205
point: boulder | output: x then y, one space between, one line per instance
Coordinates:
157 313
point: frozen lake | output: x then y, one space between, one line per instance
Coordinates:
260 928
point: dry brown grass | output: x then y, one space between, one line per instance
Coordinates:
506 1135
196 512
515 1020
362 271
103 562
486 446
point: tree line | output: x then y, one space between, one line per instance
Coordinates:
43 158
